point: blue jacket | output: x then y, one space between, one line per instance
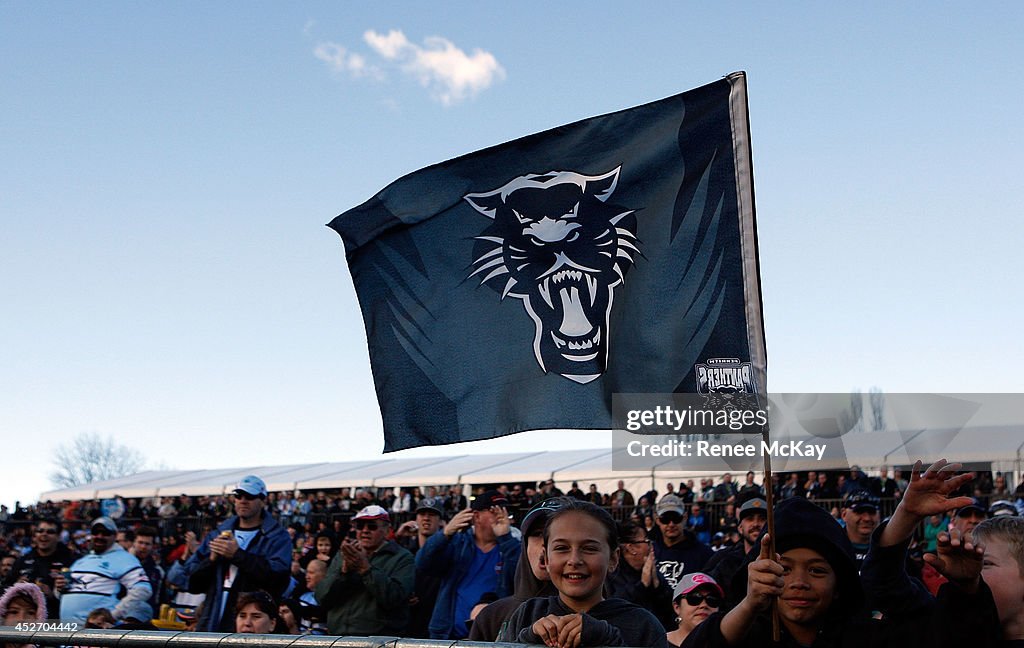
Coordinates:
450 559
265 565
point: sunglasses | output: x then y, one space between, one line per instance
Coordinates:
669 518
242 495
696 598
101 531
369 526
47 531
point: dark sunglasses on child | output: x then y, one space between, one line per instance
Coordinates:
696 598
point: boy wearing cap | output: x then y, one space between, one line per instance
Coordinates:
249 551
96 579
369 581
413 535
476 553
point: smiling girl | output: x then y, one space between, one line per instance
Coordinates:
580 542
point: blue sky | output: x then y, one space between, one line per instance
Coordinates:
166 171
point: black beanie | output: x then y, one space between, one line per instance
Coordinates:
799 523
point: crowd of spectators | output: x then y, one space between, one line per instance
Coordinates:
424 563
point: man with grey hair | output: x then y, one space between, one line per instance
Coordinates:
368 583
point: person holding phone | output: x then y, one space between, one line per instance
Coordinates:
368 583
476 553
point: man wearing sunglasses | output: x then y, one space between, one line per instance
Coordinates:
368 583
46 560
249 551
677 551
96 579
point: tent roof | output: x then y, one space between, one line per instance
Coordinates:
1003 444
531 467
449 471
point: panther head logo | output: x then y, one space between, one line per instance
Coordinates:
564 249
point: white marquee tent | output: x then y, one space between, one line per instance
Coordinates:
998 447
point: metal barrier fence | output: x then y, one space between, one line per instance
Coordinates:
151 639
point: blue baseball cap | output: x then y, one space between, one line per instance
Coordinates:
252 485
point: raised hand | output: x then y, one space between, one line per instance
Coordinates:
502 525
959 559
407 530
462 520
764 578
649 572
928 493
354 558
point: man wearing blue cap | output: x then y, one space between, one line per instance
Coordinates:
249 551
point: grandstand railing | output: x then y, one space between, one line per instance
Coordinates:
167 639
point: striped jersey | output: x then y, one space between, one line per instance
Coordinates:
95 581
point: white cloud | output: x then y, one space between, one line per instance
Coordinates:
452 74
391 46
341 60
449 73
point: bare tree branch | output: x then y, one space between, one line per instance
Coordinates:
89 458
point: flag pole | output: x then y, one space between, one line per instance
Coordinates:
769 498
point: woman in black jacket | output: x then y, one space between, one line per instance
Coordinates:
637 578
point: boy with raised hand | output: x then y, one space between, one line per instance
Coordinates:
1002 570
963 612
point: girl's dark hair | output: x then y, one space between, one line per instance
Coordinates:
594 511
265 602
628 529
296 608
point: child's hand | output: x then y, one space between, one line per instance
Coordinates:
572 631
958 559
546 629
764 578
559 631
929 493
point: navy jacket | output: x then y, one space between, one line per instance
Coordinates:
265 565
